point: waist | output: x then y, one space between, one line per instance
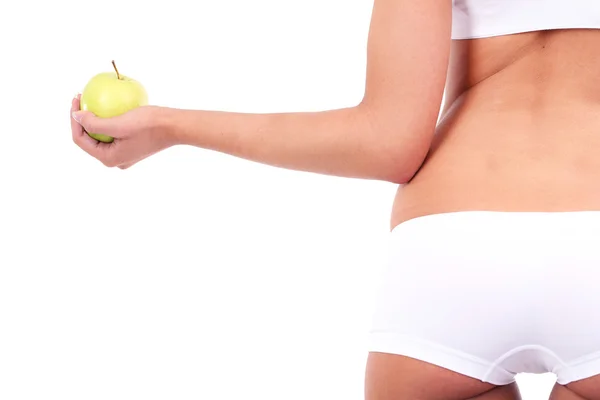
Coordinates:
507 158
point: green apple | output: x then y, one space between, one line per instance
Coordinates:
109 94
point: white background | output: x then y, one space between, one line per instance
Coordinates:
193 275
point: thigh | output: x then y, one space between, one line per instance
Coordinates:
394 377
585 389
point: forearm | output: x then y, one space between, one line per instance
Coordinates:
337 142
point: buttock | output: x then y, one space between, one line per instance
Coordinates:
491 294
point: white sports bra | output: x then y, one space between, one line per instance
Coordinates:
485 18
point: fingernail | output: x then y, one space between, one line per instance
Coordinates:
76 117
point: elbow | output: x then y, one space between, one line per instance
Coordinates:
401 140
399 177
403 163
402 152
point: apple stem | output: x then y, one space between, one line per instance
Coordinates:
116 70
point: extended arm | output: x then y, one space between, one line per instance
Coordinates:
337 142
384 137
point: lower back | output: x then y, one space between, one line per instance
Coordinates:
521 129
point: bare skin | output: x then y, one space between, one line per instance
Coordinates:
520 131
525 138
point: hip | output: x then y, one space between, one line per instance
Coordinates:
444 194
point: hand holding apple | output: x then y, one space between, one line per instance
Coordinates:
109 94
112 121
138 134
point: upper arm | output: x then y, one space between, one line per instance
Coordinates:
407 61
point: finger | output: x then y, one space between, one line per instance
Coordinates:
98 150
95 124
75 127
79 135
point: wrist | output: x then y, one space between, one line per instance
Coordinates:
164 121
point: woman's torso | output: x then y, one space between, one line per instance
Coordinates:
520 130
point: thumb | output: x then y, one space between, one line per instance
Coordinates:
94 124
